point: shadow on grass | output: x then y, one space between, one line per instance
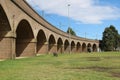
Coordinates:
93 58
112 57
99 58
99 69
115 74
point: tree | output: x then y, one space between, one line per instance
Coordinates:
70 30
110 40
119 40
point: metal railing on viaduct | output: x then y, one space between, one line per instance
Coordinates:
23 33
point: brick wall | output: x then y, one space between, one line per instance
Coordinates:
5 48
25 48
42 49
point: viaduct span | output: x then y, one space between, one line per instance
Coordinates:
23 33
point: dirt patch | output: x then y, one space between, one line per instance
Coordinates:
99 69
115 74
93 58
112 57
95 68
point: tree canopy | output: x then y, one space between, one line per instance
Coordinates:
111 39
70 30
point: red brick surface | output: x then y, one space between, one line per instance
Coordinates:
5 48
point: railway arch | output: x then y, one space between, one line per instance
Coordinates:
24 33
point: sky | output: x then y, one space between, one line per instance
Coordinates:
88 18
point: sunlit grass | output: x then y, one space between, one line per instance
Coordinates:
83 66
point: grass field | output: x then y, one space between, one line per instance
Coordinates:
84 66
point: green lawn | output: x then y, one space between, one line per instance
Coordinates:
84 66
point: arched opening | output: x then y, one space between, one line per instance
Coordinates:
59 45
41 42
4 23
5 42
52 46
78 49
73 46
89 48
66 46
84 47
94 48
24 45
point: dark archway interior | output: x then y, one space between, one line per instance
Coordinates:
41 39
51 42
78 46
24 36
66 44
84 47
4 23
89 47
72 45
94 48
59 45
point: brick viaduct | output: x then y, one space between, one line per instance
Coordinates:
23 33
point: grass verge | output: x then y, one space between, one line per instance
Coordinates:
84 66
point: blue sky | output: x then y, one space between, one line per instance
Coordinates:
88 18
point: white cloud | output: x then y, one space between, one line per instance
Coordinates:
84 11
